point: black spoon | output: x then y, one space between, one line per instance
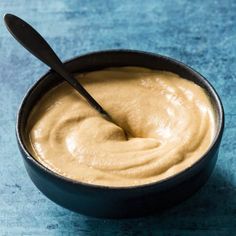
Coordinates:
29 38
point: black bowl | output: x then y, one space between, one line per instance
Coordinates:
116 202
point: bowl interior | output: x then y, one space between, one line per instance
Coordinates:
114 58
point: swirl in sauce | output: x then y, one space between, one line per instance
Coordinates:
170 123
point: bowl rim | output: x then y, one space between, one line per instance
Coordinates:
180 175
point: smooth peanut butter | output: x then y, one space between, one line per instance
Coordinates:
170 124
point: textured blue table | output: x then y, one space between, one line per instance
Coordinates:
199 33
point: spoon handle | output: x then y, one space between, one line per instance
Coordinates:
29 38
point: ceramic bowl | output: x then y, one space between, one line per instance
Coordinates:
117 202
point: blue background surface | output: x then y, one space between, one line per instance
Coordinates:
199 33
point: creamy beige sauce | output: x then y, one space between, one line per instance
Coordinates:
169 120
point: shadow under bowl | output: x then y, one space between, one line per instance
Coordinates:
118 202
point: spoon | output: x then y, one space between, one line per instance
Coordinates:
29 38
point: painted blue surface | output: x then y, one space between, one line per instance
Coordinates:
199 33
